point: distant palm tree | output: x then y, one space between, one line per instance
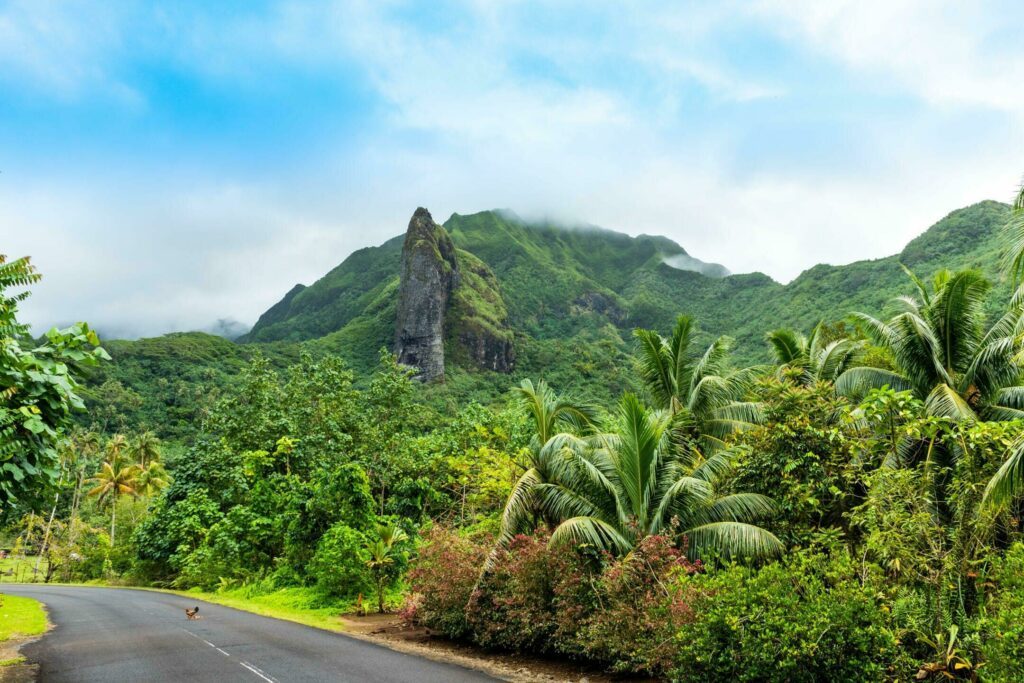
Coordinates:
815 360
556 419
631 483
700 392
113 481
117 447
145 448
152 479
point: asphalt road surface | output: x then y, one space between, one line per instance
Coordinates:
116 634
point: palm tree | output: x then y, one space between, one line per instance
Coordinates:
152 479
382 557
551 414
1014 237
1008 482
113 481
700 392
117 447
945 356
943 353
632 483
145 448
815 360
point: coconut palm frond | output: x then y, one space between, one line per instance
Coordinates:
733 539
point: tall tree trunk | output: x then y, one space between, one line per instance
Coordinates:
46 535
113 517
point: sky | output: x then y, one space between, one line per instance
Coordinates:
168 165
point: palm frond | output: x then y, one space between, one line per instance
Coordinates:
1008 481
733 539
519 506
593 532
790 347
654 366
943 401
856 382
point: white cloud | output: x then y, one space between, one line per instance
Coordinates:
465 127
946 51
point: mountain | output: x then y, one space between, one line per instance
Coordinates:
561 302
558 283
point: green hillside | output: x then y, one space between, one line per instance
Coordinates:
572 297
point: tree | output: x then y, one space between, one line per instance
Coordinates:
943 353
1008 482
813 358
550 413
145 449
115 479
1014 238
151 479
630 484
382 557
700 392
39 390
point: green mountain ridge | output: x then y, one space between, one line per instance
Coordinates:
551 276
572 298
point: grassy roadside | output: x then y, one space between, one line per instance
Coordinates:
291 604
19 617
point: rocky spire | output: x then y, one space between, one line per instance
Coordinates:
430 273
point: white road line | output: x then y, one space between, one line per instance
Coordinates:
227 654
256 671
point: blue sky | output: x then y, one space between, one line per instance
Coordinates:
169 164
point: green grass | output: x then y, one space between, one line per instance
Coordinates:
22 568
20 617
300 605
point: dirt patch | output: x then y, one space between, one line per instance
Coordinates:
388 630
16 671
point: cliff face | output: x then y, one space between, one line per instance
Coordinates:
478 320
429 275
448 297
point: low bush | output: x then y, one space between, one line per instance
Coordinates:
806 618
339 564
1002 629
557 601
641 607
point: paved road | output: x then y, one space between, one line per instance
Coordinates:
117 634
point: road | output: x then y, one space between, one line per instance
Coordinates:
117 634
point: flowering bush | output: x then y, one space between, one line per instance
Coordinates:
442 579
556 601
641 608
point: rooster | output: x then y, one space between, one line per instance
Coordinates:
192 613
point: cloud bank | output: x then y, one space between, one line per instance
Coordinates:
171 166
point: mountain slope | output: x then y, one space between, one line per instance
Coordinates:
552 278
571 298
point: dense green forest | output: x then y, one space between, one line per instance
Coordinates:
832 492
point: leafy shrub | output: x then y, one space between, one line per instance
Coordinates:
339 564
514 607
535 598
641 609
442 580
1002 642
804 619
800 457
